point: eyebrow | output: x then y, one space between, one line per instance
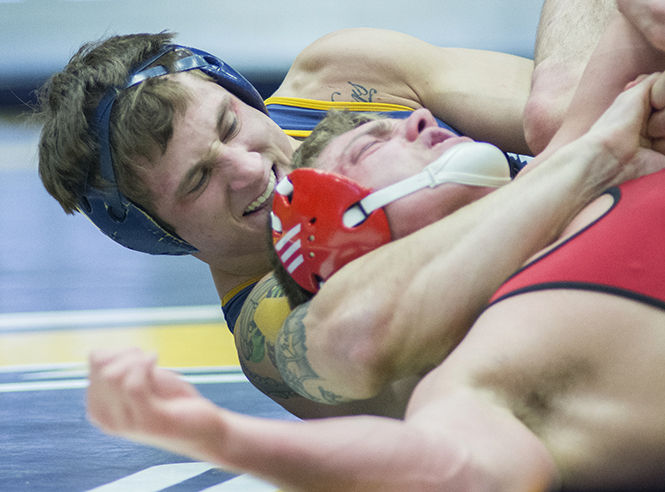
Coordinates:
209 157
375 128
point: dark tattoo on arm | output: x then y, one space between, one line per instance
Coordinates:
251 342
291 356
269 386
253 346
359 93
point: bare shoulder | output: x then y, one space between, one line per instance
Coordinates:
380 60
481 93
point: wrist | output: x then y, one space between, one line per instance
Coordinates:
588 165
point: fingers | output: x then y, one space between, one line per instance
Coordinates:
119 387
656 124
635 82
622 123
658 92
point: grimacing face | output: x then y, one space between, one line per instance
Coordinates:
379 153
214 183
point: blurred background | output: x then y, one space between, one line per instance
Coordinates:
259 37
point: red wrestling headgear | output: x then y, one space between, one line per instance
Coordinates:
318 225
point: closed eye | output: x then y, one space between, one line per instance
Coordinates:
227 121
377 132
362 150
231 130
200 182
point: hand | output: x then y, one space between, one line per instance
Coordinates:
633 127
648 17
130 396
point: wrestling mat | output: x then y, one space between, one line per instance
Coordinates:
66 289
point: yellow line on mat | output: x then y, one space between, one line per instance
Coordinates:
185 345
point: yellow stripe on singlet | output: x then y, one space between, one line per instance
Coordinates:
326 105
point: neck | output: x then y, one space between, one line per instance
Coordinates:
226 282
233 271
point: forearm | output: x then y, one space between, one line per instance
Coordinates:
648 16
462 261
130 397
399 310
480 93
457 443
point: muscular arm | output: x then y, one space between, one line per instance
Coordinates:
481 93
568 32
399 310
456 442
256 338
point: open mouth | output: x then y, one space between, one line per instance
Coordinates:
435 135
263 198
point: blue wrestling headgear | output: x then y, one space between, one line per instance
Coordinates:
113 213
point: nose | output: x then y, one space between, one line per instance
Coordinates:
243 168
417 122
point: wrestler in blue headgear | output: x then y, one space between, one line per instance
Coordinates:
113 213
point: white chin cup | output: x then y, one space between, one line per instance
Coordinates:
473 164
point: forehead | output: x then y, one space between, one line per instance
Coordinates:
197 85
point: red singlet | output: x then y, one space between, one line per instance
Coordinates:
621 253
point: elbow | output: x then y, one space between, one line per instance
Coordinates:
553 85
541 121
364 357
352 359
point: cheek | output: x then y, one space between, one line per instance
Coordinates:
375 175
195 221
413 212
407 215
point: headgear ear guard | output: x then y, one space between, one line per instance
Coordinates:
113 213
311 238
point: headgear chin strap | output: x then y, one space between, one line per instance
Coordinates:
113 213
468 163
321 221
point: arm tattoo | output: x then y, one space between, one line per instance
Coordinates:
291 356
252 342
359 93
253 346
269 386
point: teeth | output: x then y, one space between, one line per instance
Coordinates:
256 204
